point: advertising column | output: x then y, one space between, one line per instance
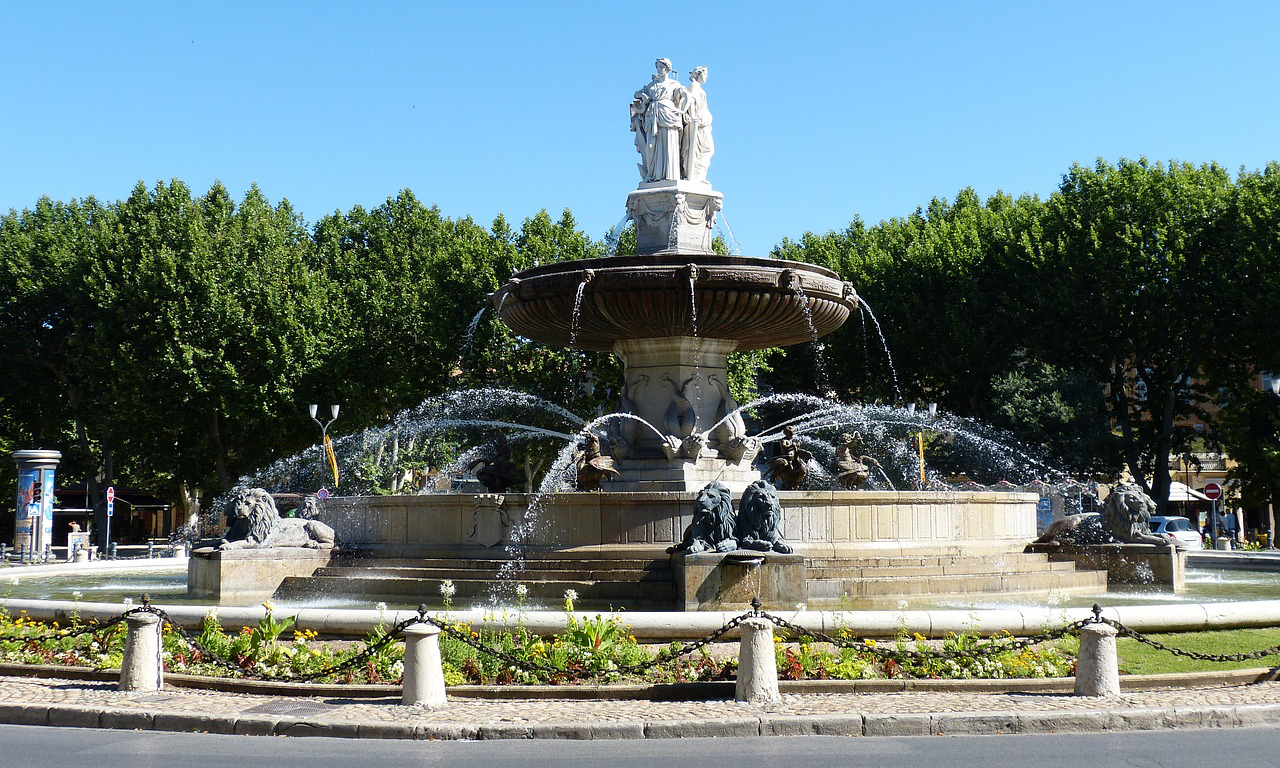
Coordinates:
33 530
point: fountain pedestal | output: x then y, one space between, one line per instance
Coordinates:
674 216
249 574
714 581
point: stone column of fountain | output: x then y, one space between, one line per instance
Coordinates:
675 310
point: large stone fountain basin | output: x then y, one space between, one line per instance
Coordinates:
754 302
817 523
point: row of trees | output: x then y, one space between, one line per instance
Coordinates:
173 340
1096 323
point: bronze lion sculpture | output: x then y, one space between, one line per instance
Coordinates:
713 522
254 522
760 518
1125 518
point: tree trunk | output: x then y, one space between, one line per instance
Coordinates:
219 451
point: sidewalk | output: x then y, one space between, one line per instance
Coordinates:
93 704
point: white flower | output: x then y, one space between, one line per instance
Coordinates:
447 589
128 602
522 590
802 607
382 607
902 605
571 595
77 595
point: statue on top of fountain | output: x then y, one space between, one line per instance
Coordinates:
672 125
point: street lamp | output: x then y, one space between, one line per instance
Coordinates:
327 445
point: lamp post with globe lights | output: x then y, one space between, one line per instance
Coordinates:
326 445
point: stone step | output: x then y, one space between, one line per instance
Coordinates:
538 574
402 590
961 569
907 561
495 564
958 585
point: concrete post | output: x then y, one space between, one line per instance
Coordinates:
1097 670
1222 543
423 673
757 664
141 669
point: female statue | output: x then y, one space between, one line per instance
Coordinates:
698 146
657 117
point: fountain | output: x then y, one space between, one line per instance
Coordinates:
673 312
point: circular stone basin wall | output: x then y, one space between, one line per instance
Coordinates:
819 524
756 302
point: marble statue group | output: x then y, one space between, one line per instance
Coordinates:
672 124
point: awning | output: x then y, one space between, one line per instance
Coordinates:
1180 492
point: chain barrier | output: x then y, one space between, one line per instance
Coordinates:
667 656
664 657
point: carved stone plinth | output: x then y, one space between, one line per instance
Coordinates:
249 574
489 521
711 581
674 216
1127 565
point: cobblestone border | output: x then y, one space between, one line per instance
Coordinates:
920 724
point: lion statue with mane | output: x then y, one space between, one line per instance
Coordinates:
713 521
1126 518
760 518
254 522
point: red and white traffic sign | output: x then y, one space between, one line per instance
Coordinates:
111 500
1213 491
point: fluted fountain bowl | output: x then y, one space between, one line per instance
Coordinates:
593 303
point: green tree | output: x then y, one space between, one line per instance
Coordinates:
1136 295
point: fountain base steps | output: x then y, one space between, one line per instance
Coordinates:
598 583
703 581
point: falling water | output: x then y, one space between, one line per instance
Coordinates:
615 235
897 393
693 298
471 328
735 249
576 317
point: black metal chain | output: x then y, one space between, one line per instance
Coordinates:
898 653
358 660
1197 655
667 656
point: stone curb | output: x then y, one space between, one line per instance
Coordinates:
916 724
658 692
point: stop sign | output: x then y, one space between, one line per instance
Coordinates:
1213 491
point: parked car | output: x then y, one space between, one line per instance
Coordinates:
1179 528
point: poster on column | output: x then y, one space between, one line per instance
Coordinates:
46 508
29 511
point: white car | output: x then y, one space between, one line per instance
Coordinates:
1179 528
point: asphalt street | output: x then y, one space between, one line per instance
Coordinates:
38 747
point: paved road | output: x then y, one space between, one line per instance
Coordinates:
38 747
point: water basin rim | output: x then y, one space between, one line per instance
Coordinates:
676 260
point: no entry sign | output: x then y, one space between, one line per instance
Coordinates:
1213 491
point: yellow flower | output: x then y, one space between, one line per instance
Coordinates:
869 643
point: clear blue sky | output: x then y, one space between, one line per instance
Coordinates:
823 110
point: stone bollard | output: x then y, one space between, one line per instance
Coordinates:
423 673
141 668
1097 669
1222 544
757 664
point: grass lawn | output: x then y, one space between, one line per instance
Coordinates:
1141 659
